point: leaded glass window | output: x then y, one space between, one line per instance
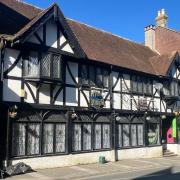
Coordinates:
92 75
97 136
126 135
56 66
84 74
48 138
99 77
33 131
18 138
76 137
87 137
31 65
46 65
106 78
133 135
140 134
106 135
60 137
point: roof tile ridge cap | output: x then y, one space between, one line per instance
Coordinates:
36 7
112 34
169 29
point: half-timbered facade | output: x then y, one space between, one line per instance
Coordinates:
70 93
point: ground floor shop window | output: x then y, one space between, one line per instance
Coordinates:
33 136
130 135
152 133
89 136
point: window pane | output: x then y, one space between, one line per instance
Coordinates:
56 66
126 135
153 133
92 75
133 135
46 65
98 77
31 64
77 137
60 137
119 135
87 137
149 87
97 135
140 84
48 138
140 135
84 74
106 79
134 84
106 136
18 137
33 139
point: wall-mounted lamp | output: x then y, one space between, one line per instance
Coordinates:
13 111
74 115
148 118
163 116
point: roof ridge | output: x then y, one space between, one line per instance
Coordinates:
169 29
32 5
112 34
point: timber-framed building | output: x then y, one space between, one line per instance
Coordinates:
70 93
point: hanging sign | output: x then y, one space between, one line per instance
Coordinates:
97 99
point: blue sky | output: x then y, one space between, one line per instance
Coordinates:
126 18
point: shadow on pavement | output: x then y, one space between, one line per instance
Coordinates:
166 174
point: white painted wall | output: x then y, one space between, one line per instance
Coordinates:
74 70
117 100
51 34
11 90
83 102
9 59
71 96
28 98
44 94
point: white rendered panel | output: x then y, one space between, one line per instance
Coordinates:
134 103
83 102
9 59
118 85
116 100
163 106
71 96
11 90
74 70
67 48
157 104
59 100
28 98
62 39
107 102
44 94
51 34
150 103
126 84
126 102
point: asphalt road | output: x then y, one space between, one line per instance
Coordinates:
141 169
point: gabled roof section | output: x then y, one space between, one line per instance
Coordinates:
162 64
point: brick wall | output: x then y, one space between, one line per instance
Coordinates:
166 40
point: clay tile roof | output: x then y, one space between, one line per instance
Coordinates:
108 48
162 63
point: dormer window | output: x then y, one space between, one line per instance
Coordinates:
44 66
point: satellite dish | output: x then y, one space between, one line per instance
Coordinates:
158 86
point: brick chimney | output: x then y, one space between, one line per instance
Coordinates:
162 18
150 36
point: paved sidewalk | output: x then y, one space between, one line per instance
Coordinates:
155 168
